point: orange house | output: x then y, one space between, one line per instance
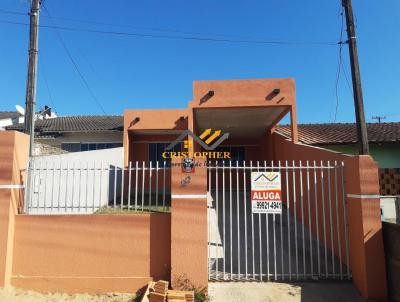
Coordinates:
248 110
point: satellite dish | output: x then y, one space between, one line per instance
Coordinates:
20 109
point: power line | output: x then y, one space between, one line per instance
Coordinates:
246 39
76 66
340 64
9 12
43 75
204 39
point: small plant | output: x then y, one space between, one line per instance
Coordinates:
182 282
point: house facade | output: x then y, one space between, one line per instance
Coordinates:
244 112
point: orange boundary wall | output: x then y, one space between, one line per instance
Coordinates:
367 259
74 253
90 253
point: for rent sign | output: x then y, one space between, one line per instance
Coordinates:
266 194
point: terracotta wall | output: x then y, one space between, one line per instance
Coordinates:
90 253
13 158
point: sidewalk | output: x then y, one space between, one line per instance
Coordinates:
287 292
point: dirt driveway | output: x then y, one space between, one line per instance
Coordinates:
18 295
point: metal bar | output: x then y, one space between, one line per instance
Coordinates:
115 187
66 187
317 217
143 176
38 171
45 183
323 220
108 184
302 217
230 217
259 234
217 230
281 228
100 184
237 217
209 207
94 186
274 230
136 183
252 233
150 180
52 187
338 224
87 186
79 187
129 185
309 218
73 187
295 221
164 186
122 187
59 188
331 219
267 235
288 168
223 215
288 218
157 185
346 239
245 217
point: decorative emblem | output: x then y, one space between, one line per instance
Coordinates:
188 165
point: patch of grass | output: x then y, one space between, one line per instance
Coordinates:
140 210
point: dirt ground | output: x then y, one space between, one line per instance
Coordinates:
18 295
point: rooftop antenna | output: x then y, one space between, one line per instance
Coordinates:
20 110
379 118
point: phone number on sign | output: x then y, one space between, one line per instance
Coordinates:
270 205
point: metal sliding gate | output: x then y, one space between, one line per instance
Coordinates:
307 241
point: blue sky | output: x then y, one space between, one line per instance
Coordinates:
136 72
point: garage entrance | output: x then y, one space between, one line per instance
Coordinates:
308 240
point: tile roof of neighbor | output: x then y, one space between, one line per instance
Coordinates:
8 114
343 133
77 124
312 134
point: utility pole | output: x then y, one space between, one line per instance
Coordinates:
355 74
29 123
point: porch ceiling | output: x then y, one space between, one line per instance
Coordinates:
239 122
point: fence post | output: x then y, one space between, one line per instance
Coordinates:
189 258
367 259
14 156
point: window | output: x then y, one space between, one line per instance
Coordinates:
236 153
156 150
77 147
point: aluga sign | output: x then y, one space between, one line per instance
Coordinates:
266 193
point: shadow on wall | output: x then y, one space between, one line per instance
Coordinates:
160 246
391 239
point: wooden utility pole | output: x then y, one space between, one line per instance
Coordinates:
355 74
29 123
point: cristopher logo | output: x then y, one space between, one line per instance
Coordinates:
208 139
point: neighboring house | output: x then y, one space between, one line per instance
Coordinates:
8 118
384 139
75 134
384 144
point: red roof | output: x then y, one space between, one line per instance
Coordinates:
343 133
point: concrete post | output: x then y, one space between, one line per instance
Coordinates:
367 259
14 156
189 256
